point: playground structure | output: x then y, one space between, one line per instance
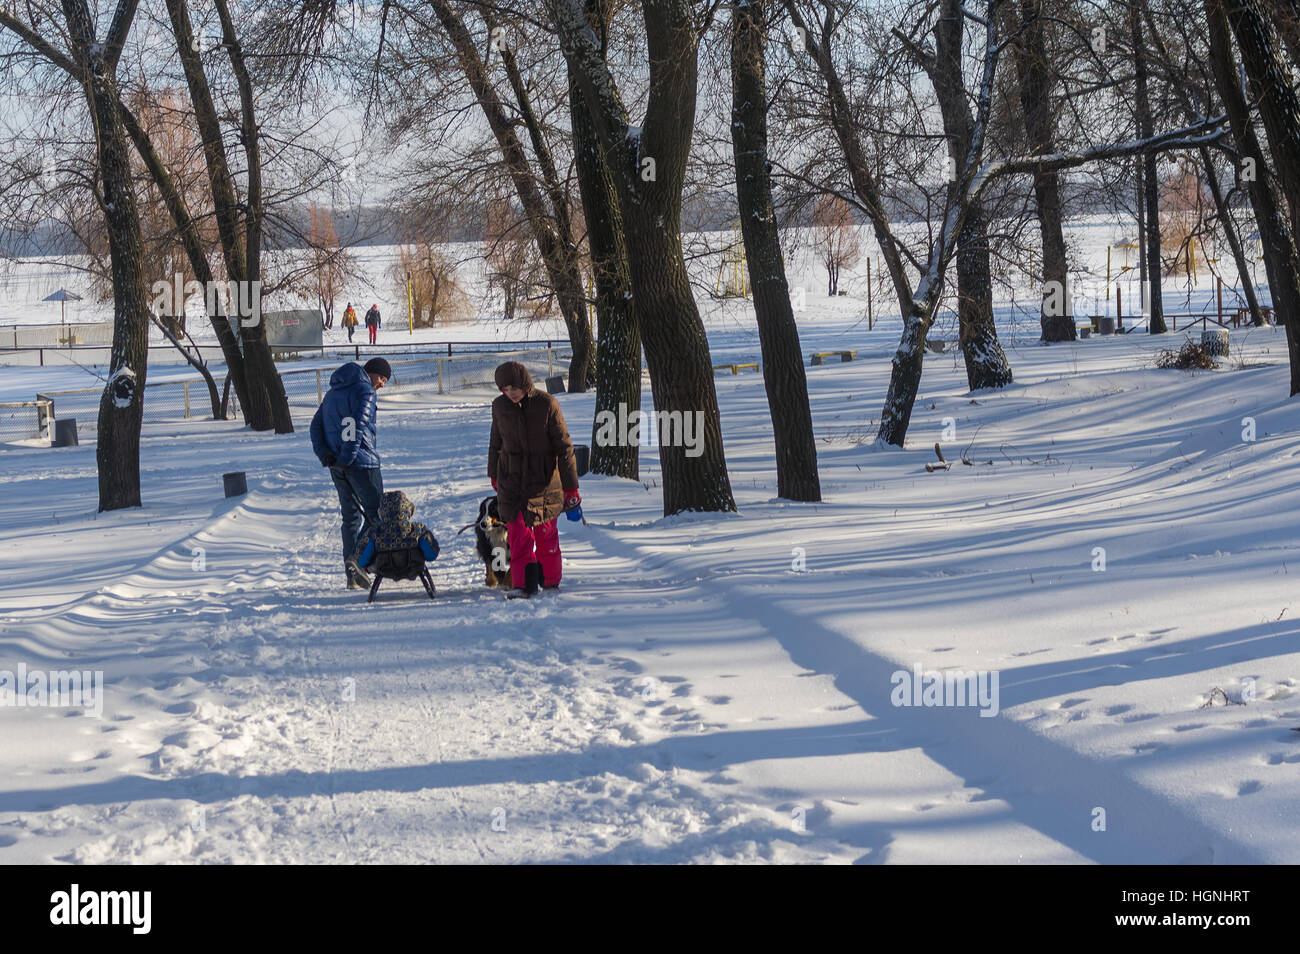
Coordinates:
733 272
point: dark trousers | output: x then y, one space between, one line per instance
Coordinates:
359 491
351 328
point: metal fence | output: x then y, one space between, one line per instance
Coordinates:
26 420
306 388
163 401
55 336
170 401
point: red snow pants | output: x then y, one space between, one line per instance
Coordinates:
539 544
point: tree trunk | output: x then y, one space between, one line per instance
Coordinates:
783 370
1286 18
560 264
905 375
194 251
570 297
649 171
618 348
121 407
677 353
1034 80
1281 259
265 405
1150 180
986 362
257 352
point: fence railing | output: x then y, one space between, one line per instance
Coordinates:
169 401
163 401
80 355
63 335
307 387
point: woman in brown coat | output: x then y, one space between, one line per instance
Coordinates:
535 475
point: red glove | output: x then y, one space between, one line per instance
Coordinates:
572 499
494 485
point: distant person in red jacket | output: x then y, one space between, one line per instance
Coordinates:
372 322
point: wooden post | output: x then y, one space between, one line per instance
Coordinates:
869 320
186 386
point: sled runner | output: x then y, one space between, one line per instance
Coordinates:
407 563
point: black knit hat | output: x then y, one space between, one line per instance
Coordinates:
380 367
514 374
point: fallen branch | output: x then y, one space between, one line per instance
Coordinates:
942 465
1209 703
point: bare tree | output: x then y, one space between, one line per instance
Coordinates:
331 265
240 219
783 371
974 174
834 237
1271 185
648 163
93 60
618 343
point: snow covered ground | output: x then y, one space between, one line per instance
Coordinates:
704 687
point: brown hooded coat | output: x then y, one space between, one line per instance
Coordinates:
530 454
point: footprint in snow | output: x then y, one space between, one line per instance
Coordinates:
1148 748
1250 787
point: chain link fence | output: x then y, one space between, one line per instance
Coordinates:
26 420
170 401
55 336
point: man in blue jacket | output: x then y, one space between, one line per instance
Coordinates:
343 437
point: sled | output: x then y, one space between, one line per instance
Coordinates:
403 564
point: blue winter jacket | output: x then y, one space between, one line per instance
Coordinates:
350 396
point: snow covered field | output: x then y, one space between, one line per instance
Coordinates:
703 688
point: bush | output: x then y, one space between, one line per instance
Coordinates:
1191 356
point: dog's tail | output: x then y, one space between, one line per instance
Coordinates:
466 527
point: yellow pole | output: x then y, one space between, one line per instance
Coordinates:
1191 258
410 307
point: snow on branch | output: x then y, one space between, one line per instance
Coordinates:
1205 133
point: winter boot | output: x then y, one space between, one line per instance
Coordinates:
357 578
541 577
532 579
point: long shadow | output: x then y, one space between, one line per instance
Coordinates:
1049 786
703 751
